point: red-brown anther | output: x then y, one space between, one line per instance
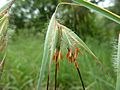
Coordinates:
73 59
69 54
60 55
76 64
57 55
76 53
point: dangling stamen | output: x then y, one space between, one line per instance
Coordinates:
69 54
72 58
56 57
76 53
78 70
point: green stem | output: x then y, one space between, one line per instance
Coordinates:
56 75
48 82
81 78
108 14
104 12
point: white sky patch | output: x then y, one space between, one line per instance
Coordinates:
3 2
106 3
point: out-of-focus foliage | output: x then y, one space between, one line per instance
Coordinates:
110 25
117 7
35 14
32 14
84 22
79 19
22 67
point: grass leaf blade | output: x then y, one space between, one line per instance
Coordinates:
104 12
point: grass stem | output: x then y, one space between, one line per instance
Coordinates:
48 82
56 76
80 78
110 15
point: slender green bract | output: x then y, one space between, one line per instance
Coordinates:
46 51
104 12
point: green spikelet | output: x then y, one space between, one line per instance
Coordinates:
118 70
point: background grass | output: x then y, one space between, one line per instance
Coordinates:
24 55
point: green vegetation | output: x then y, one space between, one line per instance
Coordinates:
24 55
65 58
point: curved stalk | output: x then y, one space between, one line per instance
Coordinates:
108 14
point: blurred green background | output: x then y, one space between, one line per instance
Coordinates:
28 25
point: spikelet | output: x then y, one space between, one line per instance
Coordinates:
115 60
118 65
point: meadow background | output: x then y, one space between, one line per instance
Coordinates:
28 25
